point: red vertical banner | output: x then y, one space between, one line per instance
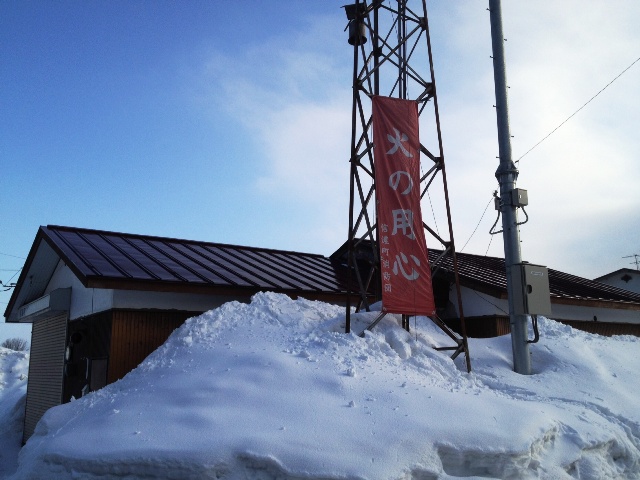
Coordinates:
404 263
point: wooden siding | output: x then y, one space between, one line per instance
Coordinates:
46 367
605 328
486 326
135 334
496 325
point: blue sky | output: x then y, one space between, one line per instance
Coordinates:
229 122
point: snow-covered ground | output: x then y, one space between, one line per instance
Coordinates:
275 390
14 367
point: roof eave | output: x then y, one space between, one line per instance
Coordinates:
27 272
203 288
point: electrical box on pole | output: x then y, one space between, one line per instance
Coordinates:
519 197
531 290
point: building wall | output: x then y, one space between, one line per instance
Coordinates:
588 314
46 364
121 339
84 301
605 328
88 341
134 299
476 304
494 326
615 279
135 334
89 301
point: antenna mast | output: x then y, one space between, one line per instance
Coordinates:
636 260
392 57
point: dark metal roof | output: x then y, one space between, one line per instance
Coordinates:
99 255
119 260
124 261
488 274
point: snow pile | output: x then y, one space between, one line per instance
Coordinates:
14 368
275 390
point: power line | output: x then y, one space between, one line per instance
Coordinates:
574 113
14 256
488 246
6 286
12 277
475 229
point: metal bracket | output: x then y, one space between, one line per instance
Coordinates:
536 332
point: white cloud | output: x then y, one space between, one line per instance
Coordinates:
584 176
294 97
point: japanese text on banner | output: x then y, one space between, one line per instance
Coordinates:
404 263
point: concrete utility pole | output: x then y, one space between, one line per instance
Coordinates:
507 174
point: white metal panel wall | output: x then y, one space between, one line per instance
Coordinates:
46 370
84 301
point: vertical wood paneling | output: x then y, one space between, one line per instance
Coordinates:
483 326
46 369
605 328
135 334
494 326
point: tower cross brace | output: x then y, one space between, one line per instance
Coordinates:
392 57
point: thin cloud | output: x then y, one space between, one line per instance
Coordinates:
583 176
295 105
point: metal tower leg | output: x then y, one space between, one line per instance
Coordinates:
392 57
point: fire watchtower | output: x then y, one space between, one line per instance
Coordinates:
392 58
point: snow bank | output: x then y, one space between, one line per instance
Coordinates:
274 389
14 367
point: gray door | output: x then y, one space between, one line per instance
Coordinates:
46 370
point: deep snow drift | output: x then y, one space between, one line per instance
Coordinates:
14 367
274 389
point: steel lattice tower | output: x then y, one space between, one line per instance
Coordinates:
392 57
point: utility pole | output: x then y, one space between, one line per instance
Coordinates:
507 175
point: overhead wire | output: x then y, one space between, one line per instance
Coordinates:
8 285
543 139
574 113
433 213
490 302
9 255
488 246
478 224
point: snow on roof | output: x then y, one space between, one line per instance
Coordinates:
273 389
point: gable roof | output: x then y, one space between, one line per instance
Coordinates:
112 260
620 272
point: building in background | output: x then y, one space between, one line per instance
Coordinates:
625 278
100 302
